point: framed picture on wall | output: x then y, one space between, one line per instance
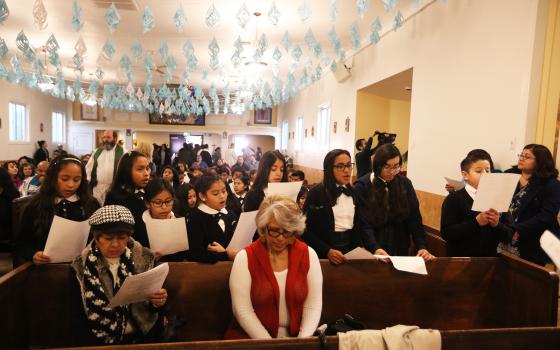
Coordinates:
263 116
90 112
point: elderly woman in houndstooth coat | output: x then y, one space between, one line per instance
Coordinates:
102 268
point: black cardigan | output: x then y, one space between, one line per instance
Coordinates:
33 234
136 207
464 236
320 222
253 199
203 229
411 226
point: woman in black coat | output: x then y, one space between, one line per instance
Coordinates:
536 202
272 168
334 224
392 208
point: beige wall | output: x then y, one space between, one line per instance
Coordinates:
399 122
265 142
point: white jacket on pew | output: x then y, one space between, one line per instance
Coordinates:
398 337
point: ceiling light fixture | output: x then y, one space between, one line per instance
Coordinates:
254 68
46 83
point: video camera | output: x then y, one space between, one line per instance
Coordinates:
384 138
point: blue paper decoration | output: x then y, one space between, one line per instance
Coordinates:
236 59
125 62
304 11
336 44
296 53
286 41
80 46
180 19
23 45
99 74
54 59
333 11
277 55
243 16
389 6
398 21
112 18
4 11
274 14
214 50
171 65
375 29
363 7
52 44
262 45
40 15
333 66
355 31
192 63
148 19
108 49
3 49
76 16
188 49
136 50
163 50
212 16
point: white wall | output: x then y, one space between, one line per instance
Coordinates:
476 77
39 107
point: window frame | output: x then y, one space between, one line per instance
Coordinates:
63 127
299 133
25 139
323 127
284 135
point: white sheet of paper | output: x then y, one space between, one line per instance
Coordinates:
244 232
414 264
551 245
167 236
359 253
136 288
287 189
456 184
66 239
495 191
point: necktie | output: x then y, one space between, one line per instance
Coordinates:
345 190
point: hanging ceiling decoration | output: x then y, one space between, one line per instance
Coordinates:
231 84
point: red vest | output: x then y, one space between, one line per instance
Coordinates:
265 293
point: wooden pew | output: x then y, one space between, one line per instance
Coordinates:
542 338
43 307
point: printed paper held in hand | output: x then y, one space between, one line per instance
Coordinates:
286 189
244 232
495 191
414 264
551 245
136 288
457 185
167 236
66 239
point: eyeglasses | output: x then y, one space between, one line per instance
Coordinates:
159 204
342 167
523 156
394 168
274 233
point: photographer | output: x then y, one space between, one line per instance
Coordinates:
365 152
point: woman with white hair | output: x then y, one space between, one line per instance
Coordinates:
276 282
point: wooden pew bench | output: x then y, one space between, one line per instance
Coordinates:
41 306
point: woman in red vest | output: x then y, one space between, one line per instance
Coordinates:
276 283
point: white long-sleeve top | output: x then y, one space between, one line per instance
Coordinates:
105 172
240 288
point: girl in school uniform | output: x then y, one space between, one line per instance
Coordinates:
334 225
272 168
211 226
170 175
64 193
236 194
159 203
185 201
128 190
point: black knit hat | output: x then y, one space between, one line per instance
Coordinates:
112 219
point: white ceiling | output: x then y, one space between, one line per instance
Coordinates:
95 33
395 87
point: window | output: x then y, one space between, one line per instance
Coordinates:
58 127
284 134
299 133
240 143
323 127
18 123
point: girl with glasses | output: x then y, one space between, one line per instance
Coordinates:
392 208
535 203
276 283
334 225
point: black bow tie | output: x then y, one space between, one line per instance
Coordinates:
139 195
219 216
343 189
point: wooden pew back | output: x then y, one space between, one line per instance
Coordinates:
457 294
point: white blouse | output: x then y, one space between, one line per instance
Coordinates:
240 288
343 212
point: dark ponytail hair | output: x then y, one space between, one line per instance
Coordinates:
122 180
181 206
265 166
388 201
329 181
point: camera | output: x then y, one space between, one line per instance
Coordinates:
384 138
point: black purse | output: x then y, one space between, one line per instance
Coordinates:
342 325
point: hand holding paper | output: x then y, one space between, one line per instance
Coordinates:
137 288
414 264
244 232
167 236
66 239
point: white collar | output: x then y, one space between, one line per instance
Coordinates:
242 196
73 198
139 190
470 190
206 209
